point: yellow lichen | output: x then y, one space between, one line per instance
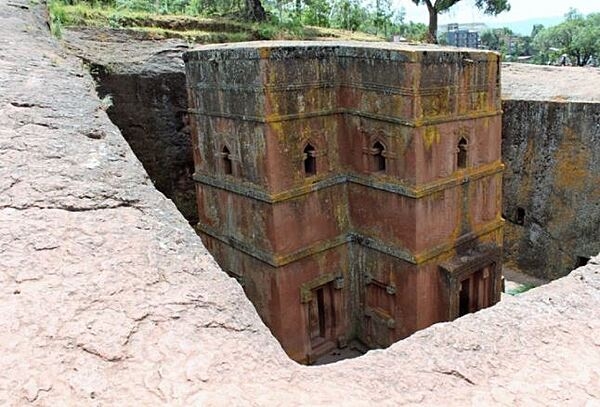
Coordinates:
572 163
431 135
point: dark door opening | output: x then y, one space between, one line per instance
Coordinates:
475 292
321 316
464 297
321 311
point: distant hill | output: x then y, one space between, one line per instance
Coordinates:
524 27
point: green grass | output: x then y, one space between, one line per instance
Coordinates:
195 29
521 289
196 36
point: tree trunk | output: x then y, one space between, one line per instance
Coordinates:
255 11
433 23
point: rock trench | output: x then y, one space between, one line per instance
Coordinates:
109 297
544 138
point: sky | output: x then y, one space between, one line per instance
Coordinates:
465 11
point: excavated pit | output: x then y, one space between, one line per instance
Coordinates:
143 90
548 228
109 296
549 146
150 110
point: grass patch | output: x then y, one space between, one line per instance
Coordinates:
521 289
195 29
196 36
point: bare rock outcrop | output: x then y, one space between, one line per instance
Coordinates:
142 84
108 297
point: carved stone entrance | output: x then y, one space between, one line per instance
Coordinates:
472 281
475 291
321 316
323 305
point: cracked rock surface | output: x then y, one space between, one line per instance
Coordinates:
107 297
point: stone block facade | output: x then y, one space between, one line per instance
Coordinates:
354 189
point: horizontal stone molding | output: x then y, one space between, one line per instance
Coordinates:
256 192
286 50
278 260
384 89
414 122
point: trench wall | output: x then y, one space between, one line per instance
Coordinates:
551 185
150 109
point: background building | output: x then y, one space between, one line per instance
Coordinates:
461 36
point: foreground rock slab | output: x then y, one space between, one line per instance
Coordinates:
108 296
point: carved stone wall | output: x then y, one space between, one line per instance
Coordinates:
552 199
311 154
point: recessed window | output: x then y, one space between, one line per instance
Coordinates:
520 216
310 160
226 161
378 157
461 153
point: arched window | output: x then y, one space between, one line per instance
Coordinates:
310 160
461 153
378 157
226 161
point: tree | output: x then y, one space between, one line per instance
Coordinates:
348 14
577 37
435 7
490 40
317 13
255 11
536 30
382 20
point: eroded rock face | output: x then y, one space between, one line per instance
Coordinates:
552 200
551 149
94 260
108 297
143 89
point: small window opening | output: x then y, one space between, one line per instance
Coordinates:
310 160
581 261
378 156
520 218
461 155
227 164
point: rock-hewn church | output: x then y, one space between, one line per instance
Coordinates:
353 189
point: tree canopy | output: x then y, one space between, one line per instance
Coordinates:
435 7
577 37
